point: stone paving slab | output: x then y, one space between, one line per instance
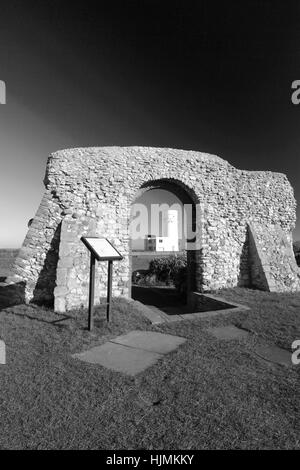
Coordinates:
228 332
131 353
274 354
154 315
150 341
120 358
270 353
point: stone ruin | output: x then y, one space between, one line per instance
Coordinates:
246 219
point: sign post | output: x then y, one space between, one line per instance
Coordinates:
91 293
109 289
101 250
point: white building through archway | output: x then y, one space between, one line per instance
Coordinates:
161 226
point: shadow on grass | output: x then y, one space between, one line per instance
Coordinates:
41 316
12 294
74 318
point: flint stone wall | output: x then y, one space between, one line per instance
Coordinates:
272 261
90 191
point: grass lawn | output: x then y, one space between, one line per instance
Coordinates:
209 394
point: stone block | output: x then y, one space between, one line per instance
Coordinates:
60 291
60 304
66 262
61 276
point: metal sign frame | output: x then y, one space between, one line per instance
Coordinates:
96 256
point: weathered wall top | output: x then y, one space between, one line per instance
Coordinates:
213 179
135 151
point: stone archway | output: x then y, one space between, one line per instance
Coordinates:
246 232
191 205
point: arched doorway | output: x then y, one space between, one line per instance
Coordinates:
182 205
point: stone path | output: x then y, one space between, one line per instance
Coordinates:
269 353
136 351
228 332
274 354
132 353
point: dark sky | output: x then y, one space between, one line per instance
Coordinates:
209 76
